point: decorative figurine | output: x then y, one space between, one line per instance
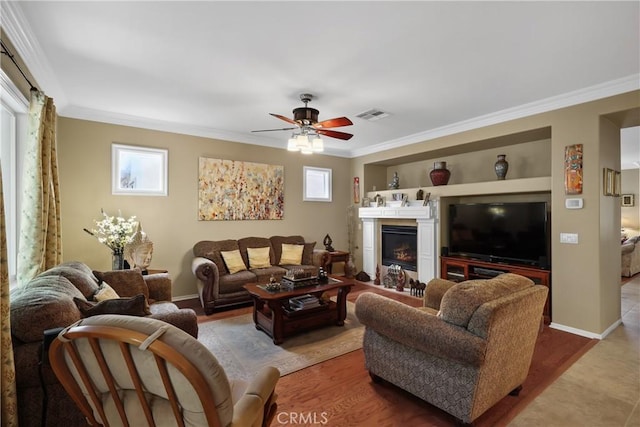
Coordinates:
377 279
395 182
420 194
401 279
417 288
139 250
327 243
322 276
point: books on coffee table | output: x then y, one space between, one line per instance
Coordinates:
303 302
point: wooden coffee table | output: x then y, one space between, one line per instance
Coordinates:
271 312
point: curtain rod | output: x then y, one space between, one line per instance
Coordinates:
6 51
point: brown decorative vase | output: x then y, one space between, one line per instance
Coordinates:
501 166
440 174
349 268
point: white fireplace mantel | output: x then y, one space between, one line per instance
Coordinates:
426 220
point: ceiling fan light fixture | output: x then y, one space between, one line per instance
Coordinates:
317 145
302 141
291 144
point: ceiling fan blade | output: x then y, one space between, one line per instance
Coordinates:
334 134
286 119
271 130
333 123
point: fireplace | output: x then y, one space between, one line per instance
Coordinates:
400 246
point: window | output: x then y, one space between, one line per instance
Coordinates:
13 120
317 184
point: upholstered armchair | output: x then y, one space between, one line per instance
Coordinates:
466 349
127 370
630 255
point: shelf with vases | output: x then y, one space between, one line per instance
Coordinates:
508 186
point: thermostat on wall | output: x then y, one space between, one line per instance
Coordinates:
573 203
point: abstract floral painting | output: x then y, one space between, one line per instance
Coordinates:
230 190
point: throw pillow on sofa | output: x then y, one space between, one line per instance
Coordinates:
105 293
134 306
126 283
259 257
233 261
291 254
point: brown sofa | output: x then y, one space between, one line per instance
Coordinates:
465 350
47 302
219 288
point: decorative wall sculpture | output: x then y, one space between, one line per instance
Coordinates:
230 190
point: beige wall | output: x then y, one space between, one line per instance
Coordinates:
585 277
84 150
631 185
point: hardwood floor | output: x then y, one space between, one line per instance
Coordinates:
339 392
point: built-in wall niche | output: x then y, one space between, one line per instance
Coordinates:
526 160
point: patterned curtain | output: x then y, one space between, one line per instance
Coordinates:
40 247
7 369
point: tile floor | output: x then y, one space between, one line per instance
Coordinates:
603 387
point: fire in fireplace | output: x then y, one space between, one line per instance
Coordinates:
400 246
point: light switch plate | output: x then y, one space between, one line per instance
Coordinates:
571 238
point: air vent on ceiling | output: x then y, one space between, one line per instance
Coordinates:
372 115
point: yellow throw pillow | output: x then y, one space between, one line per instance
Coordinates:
233 261
105 292
291 254
258 257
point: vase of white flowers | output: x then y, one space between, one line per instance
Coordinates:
114 232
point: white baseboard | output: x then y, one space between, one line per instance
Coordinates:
185 297
586 334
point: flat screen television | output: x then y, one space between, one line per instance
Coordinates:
511 233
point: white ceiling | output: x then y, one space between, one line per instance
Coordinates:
217 69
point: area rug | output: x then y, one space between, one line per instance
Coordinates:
242 350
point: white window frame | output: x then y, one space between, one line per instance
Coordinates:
317 184
14 108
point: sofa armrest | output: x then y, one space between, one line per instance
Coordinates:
257 398
418 329
436 288
321 258
206 271
182 318
628 248
159 285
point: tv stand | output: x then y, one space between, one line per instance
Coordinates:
458 269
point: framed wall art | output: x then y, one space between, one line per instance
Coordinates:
610 182
230 190
617 184
573 169
138 171
627 200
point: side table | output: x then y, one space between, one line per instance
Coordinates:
336 256
154 271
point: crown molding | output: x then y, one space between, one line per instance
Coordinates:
172 127
28 49
10 94
592 93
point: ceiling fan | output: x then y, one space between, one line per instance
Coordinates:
306 119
